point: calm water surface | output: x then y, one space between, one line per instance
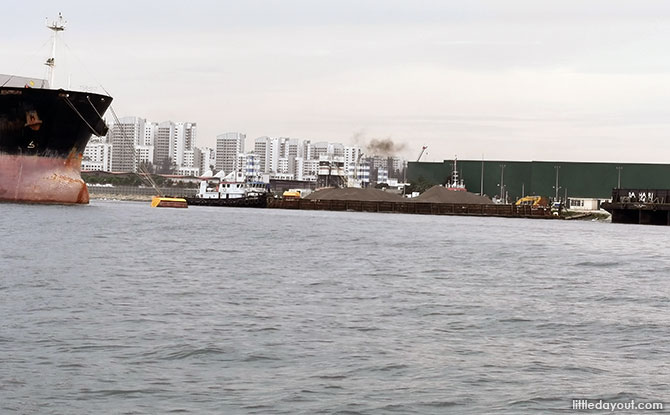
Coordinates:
119 308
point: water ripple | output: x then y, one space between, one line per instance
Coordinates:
283 312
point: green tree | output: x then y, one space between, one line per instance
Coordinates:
166 166
146 166
420 185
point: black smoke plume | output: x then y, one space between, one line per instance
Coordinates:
384 147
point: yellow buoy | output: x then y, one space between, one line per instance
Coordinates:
174 202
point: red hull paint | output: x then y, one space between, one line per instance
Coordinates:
36 179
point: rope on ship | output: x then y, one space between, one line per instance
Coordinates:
88 98
23 64
146 175
67 100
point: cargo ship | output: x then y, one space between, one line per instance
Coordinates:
43 133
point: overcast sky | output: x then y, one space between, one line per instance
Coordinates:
524 80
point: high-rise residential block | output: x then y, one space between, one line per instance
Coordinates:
184 140
207 159
97 155
125 136
228 146
164 140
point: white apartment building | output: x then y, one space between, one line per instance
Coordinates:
397 163
144 154
274 149
351 157
192 161
382 175
97 155
278 155
269 150
188 171
228 146
164 141
307 150
320 149
149 135
184 140
288 147
281 176
310 169
299 168
125 136
379 161
283 165
207 159
292 149
250 165
363 173
134 141
262 152
285 156
336 149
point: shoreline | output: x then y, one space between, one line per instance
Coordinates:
575 216
116 196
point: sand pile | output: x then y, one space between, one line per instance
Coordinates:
436 194
352 193
439 194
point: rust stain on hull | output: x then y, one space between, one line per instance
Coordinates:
36 179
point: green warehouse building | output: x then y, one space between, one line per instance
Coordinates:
522 178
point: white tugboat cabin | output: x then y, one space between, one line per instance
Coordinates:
232 186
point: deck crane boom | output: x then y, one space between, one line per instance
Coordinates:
423 149
404 170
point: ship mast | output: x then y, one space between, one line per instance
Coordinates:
55 26
454 174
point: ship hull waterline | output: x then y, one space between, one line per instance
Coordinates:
38 179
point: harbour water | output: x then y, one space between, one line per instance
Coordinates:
119 308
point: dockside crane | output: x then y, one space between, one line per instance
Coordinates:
423 150
404 170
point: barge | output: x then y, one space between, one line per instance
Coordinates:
425 208
639 206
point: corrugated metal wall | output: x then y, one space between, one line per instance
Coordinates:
539 177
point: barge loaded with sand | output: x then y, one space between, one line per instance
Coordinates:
437 200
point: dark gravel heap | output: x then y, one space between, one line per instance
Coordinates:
439 194
352 193
436 194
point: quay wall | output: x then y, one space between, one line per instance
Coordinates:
135 192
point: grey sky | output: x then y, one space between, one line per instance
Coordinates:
543 80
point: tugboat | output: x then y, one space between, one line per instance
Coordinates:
231 190
43 133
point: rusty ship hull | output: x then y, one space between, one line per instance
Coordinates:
43 133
